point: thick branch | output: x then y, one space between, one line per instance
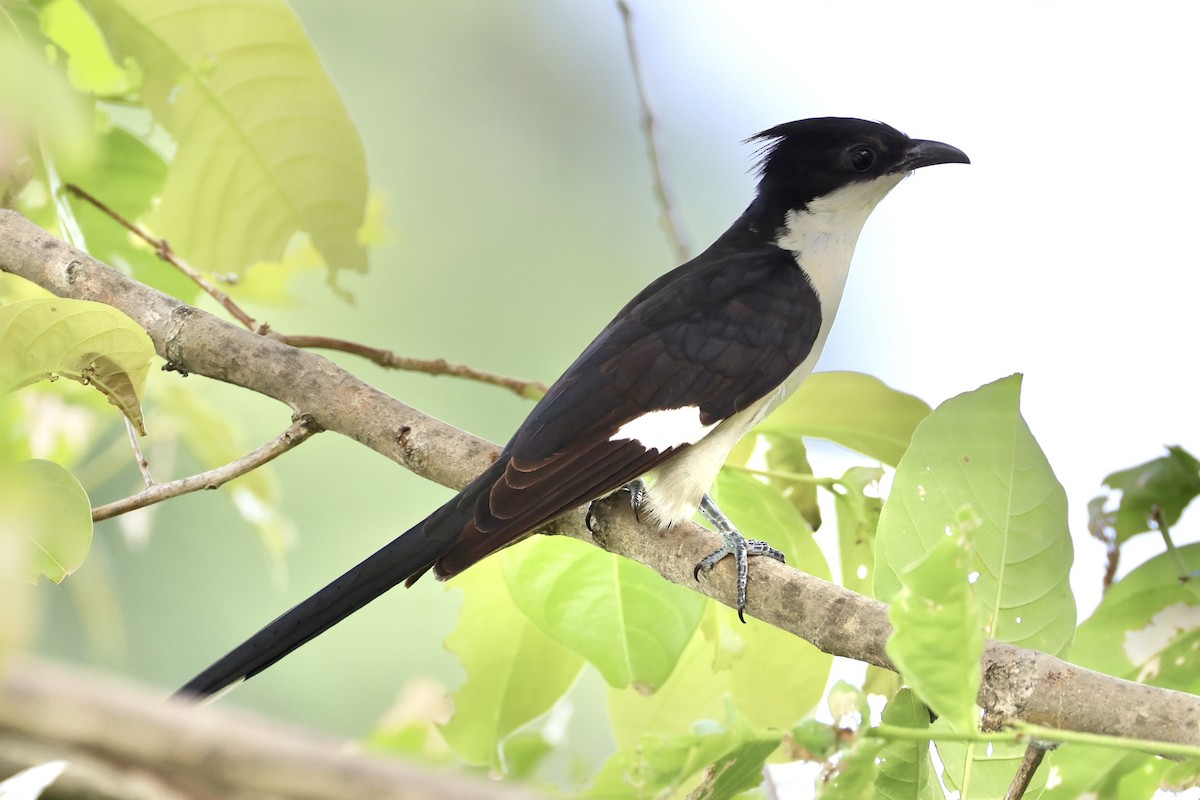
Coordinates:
1016 682
122 741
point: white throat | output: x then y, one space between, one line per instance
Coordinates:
823 235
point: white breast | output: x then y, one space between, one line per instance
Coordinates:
821 237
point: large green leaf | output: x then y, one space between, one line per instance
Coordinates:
43 506
265 146
1147 627
974 463
857 411
905 770
937 640
623 618
514 673
78 339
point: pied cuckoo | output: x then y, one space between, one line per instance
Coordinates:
659 398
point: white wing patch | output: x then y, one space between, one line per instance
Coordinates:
665 428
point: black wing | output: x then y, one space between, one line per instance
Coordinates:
718 333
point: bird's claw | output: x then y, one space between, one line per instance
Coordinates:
741 549
637 493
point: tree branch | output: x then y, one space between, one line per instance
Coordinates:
123 741
300 429
670 221
1017 683
384 358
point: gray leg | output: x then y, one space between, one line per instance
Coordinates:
735 545
637 493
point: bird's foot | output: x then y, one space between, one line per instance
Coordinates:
637 493
735 545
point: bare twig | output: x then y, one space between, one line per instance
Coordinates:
302 427
1016 683
164 251
438 366
1034 753
670 221
384 358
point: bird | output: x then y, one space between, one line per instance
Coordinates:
662 394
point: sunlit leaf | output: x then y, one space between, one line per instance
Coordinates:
45 507
1084 771
1147 627
622 617
974 463
854 410
89 342
89 64
265 147
937 640
514 672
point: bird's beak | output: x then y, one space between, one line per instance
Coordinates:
923 153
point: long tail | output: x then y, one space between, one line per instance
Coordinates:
407 556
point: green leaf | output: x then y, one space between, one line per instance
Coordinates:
857 520
938 641
78 339
856 411
514 673
973 462
855 775
771 677
1167 484
265 146
90 66
126 174
731 758
905 770
1147 627
45 507
788 455
1084 771
622 617
982 770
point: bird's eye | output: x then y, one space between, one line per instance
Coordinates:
862 158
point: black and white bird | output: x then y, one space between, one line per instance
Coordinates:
657 401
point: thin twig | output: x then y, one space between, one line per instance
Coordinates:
385 358
438 366
301 428
164 251
1034 753
670 221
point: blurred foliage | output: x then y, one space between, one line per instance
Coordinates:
216 126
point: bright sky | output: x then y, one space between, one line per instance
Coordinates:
1066 251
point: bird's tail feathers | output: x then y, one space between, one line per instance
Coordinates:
410 554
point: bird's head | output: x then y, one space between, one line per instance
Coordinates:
853 160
